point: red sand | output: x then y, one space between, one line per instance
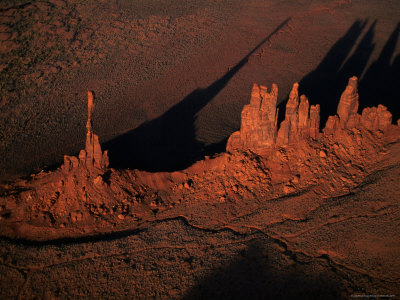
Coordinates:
312 218
301 193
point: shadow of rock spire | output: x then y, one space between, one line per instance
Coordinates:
345 59
358 61
259 273
324 85
381 81
168 143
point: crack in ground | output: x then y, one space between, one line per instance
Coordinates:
289 250
292 254
289 236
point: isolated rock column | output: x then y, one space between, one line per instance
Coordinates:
92 157
288 128
303 118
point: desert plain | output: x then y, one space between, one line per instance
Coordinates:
189 197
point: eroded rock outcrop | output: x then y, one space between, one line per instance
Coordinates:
348 104
259 120
258 133
85 195
376 118
91 158
372 118
301 120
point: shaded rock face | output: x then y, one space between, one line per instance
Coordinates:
91 158
302 121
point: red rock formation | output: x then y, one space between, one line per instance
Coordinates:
80 199
371 118
347 116
332 124
376 118
288 127
91 158
292 113
259 121
258 130
348 104
314 121
301 120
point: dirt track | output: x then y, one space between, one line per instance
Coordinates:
141 60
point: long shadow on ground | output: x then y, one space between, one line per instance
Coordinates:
377 85
257 274
168 143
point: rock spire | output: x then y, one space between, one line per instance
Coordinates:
371 118
258 120
258 130
92 158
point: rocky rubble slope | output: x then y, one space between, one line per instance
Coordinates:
320 203
263 162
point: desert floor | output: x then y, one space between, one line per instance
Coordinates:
170 79
167 60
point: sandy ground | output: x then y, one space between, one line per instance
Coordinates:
293 247
141 60
170 81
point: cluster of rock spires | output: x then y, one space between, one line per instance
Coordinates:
86 194
259 128
91 158
259 124
375 118
305 196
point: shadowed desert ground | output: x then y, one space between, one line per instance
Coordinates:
143 59
193 222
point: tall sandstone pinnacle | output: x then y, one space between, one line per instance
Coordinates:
301 120
258 120
371 118
348 104
315 111
92 158
258 130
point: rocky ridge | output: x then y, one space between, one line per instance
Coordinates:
262 163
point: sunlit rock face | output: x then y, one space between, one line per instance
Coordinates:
91 158
259 120
262 162
374 119
301 120
258 131
348 104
